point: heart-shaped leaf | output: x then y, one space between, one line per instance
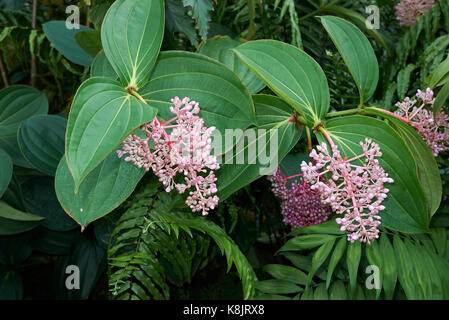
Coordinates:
103 114
63 39
5 171
219 48
106 187
18 103
41 141
406 204
266 145
357 53
290 73
224 101
132 35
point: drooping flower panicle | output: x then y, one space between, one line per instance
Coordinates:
300 205
185 150
354 187
434 130
407 11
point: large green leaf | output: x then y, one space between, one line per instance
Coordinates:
428 171
224 101
279 137
63 39
41 141
353 255
107 186
89 41
406 205
441 98
11 146
274 286
290 73
102 115
18 103
5 171
219 48
319 257
357 53
13 221
131 35
286 273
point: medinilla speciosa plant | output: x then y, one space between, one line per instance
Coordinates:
143 110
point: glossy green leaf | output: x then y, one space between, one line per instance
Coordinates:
357 53
406 272
18 103
406 208
327 227
131 35
265 146
440 73
338 291
101 67
42 140
290 73
89 41
286 273
319 257
335 258
428 171
353 255
5 171
441 99
107 186
224 101
63 39
11 146
320 292
275 286
360 21
219 48
13 221
103 114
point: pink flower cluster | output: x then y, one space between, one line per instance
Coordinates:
300 205
434 130
357 190
186 149
407 11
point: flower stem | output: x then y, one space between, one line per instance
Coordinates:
309 140
392 114
328 137
134 93
342 113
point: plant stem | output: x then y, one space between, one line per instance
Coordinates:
134 93
309 140
342 113
3 72
328 137
33 58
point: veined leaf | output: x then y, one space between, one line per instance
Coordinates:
224 101
5 171
108 185
406 207
357 53
290 73
41 141
103 114
219 48
428 171
18 103
275 286
89 41
389 266
307 241
265 146
131 35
